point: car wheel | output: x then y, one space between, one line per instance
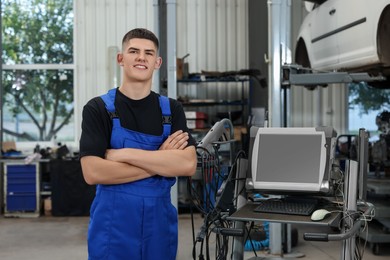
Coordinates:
383 36
301 56
383 41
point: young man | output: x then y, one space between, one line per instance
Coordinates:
133 143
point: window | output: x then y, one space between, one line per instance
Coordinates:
37 70
365 104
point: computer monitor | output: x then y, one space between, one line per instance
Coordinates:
292 159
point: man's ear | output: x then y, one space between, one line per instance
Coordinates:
158 63
119 59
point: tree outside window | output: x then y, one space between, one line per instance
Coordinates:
38 70
365 104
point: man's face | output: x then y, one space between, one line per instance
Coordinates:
139 59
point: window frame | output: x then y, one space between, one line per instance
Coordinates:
28 146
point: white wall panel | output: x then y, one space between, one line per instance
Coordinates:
100 24
242 33
201 35
210 33
214 32
320 107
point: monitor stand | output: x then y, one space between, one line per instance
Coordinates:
276 235
348 234
350 205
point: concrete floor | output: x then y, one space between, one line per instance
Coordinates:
64 238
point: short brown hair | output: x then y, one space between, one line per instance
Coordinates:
140 33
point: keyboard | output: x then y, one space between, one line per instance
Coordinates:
289 206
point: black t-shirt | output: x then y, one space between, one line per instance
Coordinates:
142 115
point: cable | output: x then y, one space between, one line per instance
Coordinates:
212 177
250 239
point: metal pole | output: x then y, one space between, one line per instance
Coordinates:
363 163
239 242
171 67
279 13
274 90
156 75
350 205
171 48
279 42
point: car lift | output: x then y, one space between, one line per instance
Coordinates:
294 74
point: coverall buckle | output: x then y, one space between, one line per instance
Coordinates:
167 120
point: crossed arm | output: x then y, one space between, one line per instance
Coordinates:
129 164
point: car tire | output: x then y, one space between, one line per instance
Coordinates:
383 41
301 55
383 36
302 58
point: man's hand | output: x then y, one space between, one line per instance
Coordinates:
174 149
177 140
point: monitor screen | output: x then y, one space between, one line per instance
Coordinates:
289 159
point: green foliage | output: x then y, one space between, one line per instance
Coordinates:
369 98
38 32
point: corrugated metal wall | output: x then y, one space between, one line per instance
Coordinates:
320 107
214 32
100 24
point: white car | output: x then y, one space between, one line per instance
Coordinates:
346 35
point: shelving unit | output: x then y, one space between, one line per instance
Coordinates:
213 95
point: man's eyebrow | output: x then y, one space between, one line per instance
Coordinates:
137 49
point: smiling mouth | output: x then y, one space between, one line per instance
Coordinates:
140 66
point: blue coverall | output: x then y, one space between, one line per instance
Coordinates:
136 220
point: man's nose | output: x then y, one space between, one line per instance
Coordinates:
141 56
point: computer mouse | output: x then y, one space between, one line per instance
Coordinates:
319 214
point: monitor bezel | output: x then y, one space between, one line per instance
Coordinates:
289 186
